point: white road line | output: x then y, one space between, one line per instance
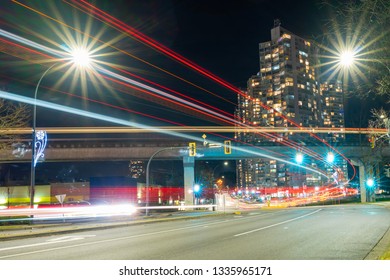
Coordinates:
49 242
101 241
277 224
70 238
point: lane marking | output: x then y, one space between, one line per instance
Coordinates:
70 238
277 224
113 239
50 241
77 237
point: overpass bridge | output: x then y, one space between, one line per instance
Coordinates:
103 149
114 149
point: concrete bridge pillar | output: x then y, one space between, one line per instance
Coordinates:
370 168
362 182
189 179
362 179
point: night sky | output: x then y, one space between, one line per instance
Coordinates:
221 36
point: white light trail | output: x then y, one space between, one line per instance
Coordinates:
62 108
30 43
66 56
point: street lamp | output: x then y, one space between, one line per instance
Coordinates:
386 122
147 174
79 57
225 163
347 58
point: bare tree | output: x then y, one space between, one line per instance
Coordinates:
12 115
364 26
380 119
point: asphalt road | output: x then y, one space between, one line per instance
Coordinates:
343 232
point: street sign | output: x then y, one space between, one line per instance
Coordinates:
61 198
204 136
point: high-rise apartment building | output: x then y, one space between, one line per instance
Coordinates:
286 85
333 109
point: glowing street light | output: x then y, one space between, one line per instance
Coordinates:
347 58
225 163
386 122
79 57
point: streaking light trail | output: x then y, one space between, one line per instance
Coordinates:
62 55
139 86
62 108
117 24
109 44
126 82
203 129
186 62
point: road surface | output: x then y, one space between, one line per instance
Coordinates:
342 232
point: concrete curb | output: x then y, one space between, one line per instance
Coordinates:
381 250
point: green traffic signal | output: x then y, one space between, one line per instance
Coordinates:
370 182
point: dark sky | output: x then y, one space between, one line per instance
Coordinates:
221 36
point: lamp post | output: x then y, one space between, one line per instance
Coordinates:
386 122
225 163
79 57
147 174
34 156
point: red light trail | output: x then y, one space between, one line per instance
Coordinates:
100 14
186 62
160 97
293 145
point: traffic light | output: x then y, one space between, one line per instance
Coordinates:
372 141
299 157
228 147
192 149
196 188
370 182
330 157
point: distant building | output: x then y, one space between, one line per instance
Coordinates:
287 85
333 112
136 168
333 109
